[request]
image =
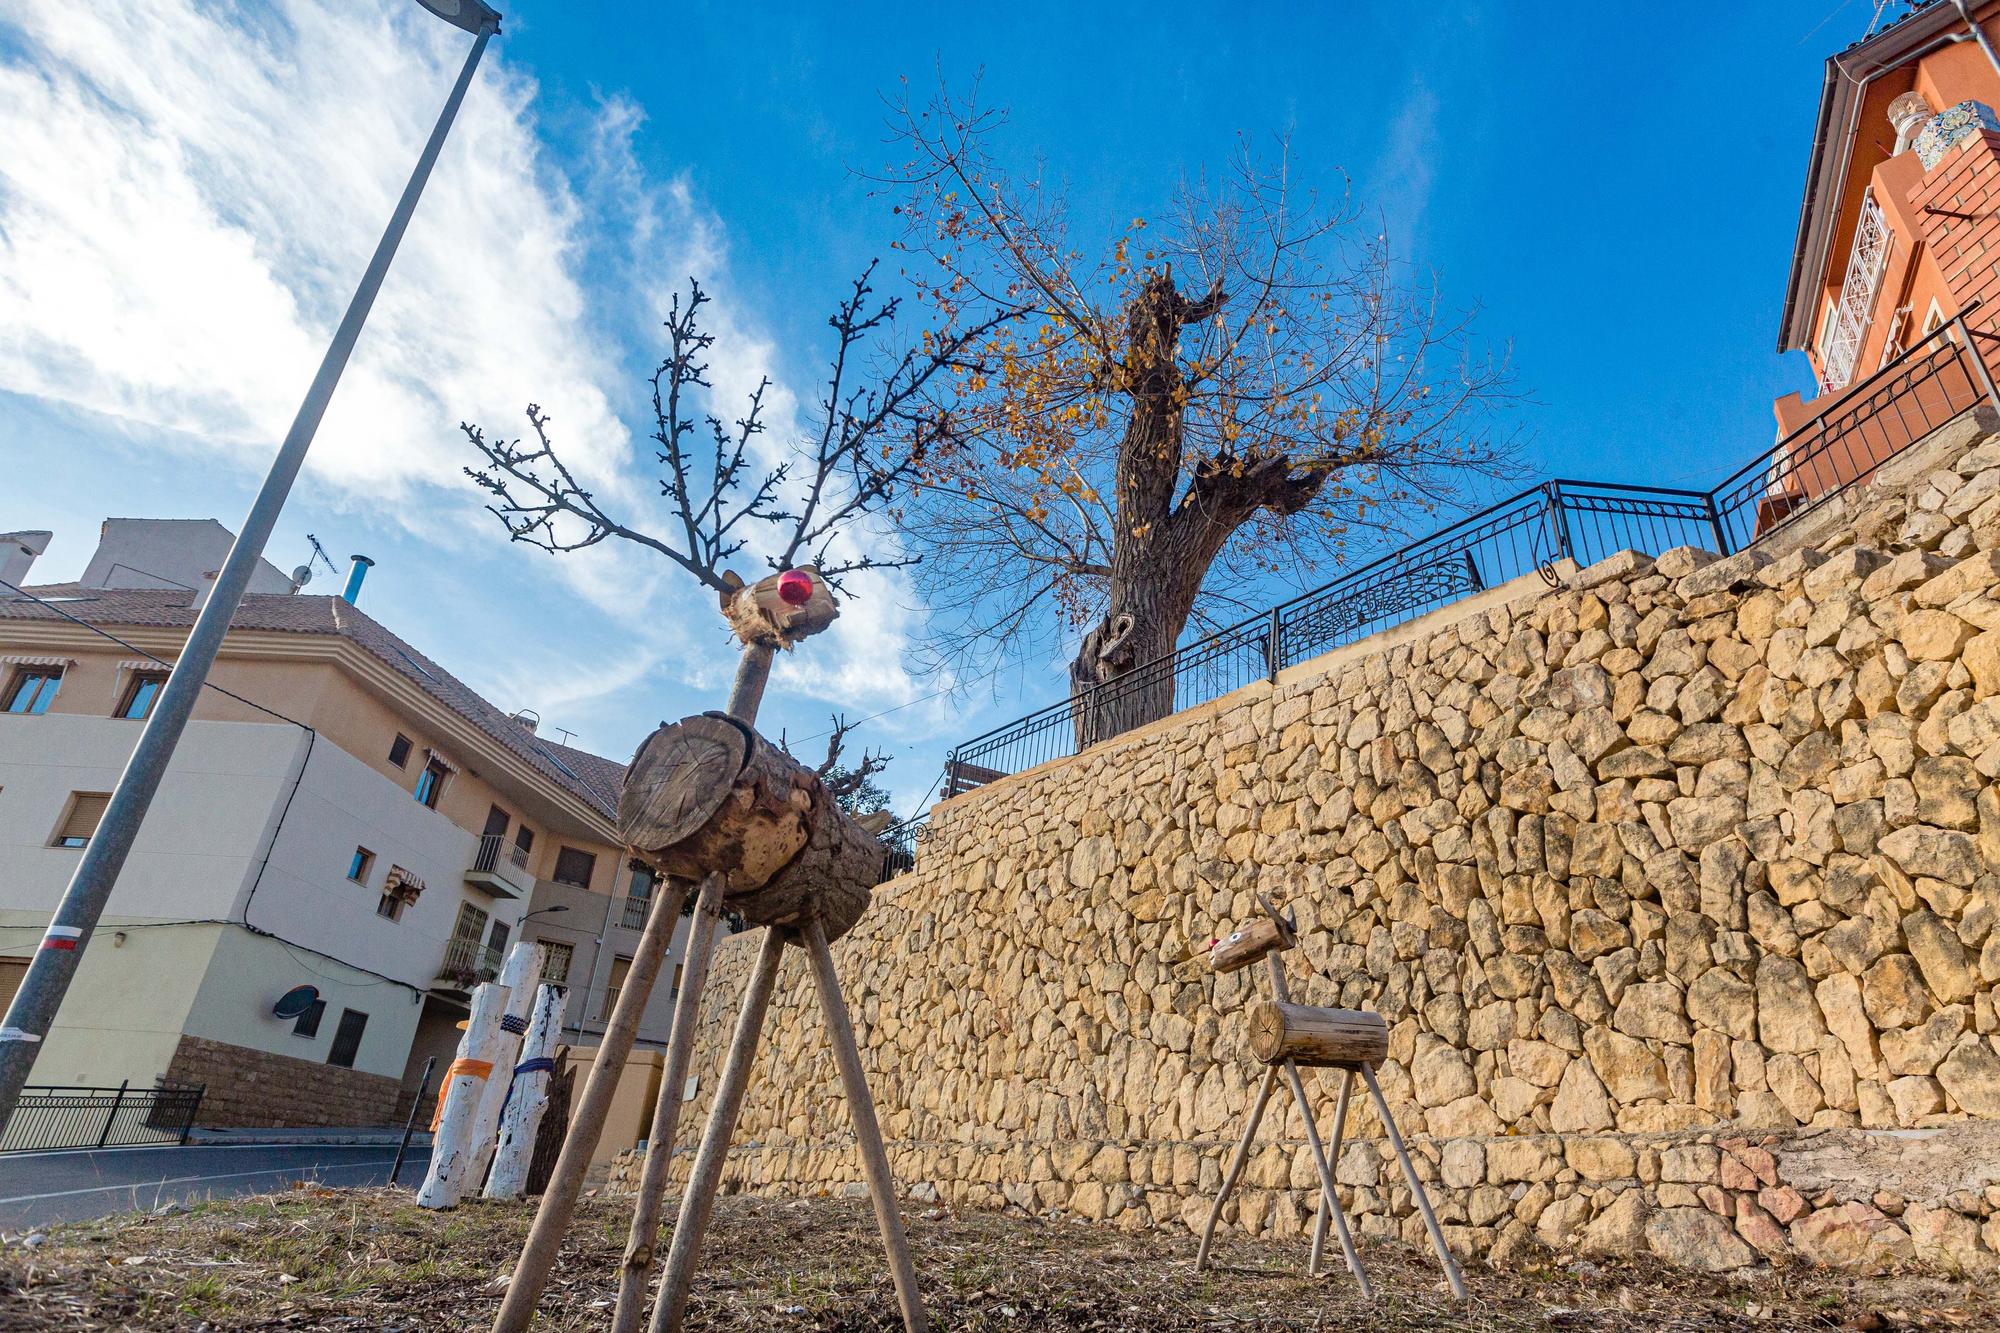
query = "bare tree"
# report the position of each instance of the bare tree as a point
(1246, 391)
(853, 785)
(872, 439)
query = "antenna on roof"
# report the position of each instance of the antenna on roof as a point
(319, 554)
(566, 734)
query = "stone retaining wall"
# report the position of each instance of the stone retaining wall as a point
(1649, 875)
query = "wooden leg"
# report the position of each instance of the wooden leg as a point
(1236, 1164)
(551, 1224)
(1329, 1208)
(1327, 1194)
(867, 1133)
(644, 1237)
(698, 1200)
(1416, 1186)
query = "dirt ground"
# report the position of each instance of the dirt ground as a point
(370, 1259)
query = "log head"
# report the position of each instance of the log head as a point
(781, 609)
(1251, 941)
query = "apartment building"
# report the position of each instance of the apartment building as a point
(343, 813)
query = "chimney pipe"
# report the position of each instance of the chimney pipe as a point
(356, 572)
(17, 556)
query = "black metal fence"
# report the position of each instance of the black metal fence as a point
(124, 1116)
(1938, 380)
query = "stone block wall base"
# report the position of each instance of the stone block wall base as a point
(1855, 1199)
(258, 1090)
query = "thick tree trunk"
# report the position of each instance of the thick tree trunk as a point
(1118, 680)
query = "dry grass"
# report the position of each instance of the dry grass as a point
(369, 1259)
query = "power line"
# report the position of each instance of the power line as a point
(150, 657)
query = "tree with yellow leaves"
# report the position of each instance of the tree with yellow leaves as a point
(1245, 390)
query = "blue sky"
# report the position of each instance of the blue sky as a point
(191, 189)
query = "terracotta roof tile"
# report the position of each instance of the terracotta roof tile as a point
(592, 777)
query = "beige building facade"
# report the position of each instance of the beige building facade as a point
(342, 814)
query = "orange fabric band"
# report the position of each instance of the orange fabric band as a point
(477, 1068)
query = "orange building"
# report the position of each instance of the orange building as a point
(1899, 235)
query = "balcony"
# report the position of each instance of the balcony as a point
(634, 917)
(500, 868)
(466, 963)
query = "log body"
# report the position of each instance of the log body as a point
(708, 793)
(1249, 943)
(1318, 1038)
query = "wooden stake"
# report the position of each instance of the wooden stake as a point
(646, 1209)
(545, 1237)
(867, 1133)
(1416, 1187)
(586, 1126)
(1326, 1176)
(1236, 1165)
(1327, 1207)
(698, 1199)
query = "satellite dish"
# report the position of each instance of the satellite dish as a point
(295, 1002)
(302, 576)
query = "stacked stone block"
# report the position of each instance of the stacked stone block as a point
(1662, 879)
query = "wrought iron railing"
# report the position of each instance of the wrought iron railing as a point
(494, 849)
(1941, 378)
(467, 961)
(120, 1117)
(633, 916)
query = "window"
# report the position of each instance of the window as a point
(362, 862)
(575, 867)
(347, 1038)
(33, 690)
(677, 979)
(399, 750)
(140, 694)
(497, 942)
(430, 783)
(308, 1024)
(556, 958)
(471, 922)
(85, 809)
(620, 965)
(524, 842)
(638, 898)
(391, 907)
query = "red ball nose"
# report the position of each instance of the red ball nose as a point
(795, 587)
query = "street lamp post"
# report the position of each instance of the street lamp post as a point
(34, 1008)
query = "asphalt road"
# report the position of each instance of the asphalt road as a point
(39, 1189)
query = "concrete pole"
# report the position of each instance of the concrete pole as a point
(519, 974)
(34, 1006)
(522, 1120)
(464, 1083)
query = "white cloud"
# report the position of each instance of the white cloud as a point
(186, 204)
(189, 193)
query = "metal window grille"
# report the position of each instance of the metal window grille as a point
(1840, 348)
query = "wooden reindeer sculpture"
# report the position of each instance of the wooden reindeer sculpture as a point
(1285, 1036)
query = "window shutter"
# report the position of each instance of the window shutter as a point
(84, 815)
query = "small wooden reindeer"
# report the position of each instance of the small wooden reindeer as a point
(1284, 1036)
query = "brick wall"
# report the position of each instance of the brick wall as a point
(250, 1088)
(1955, 208)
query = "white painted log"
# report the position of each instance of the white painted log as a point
(519, 974)
(522, 1120)
(451, 1143)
